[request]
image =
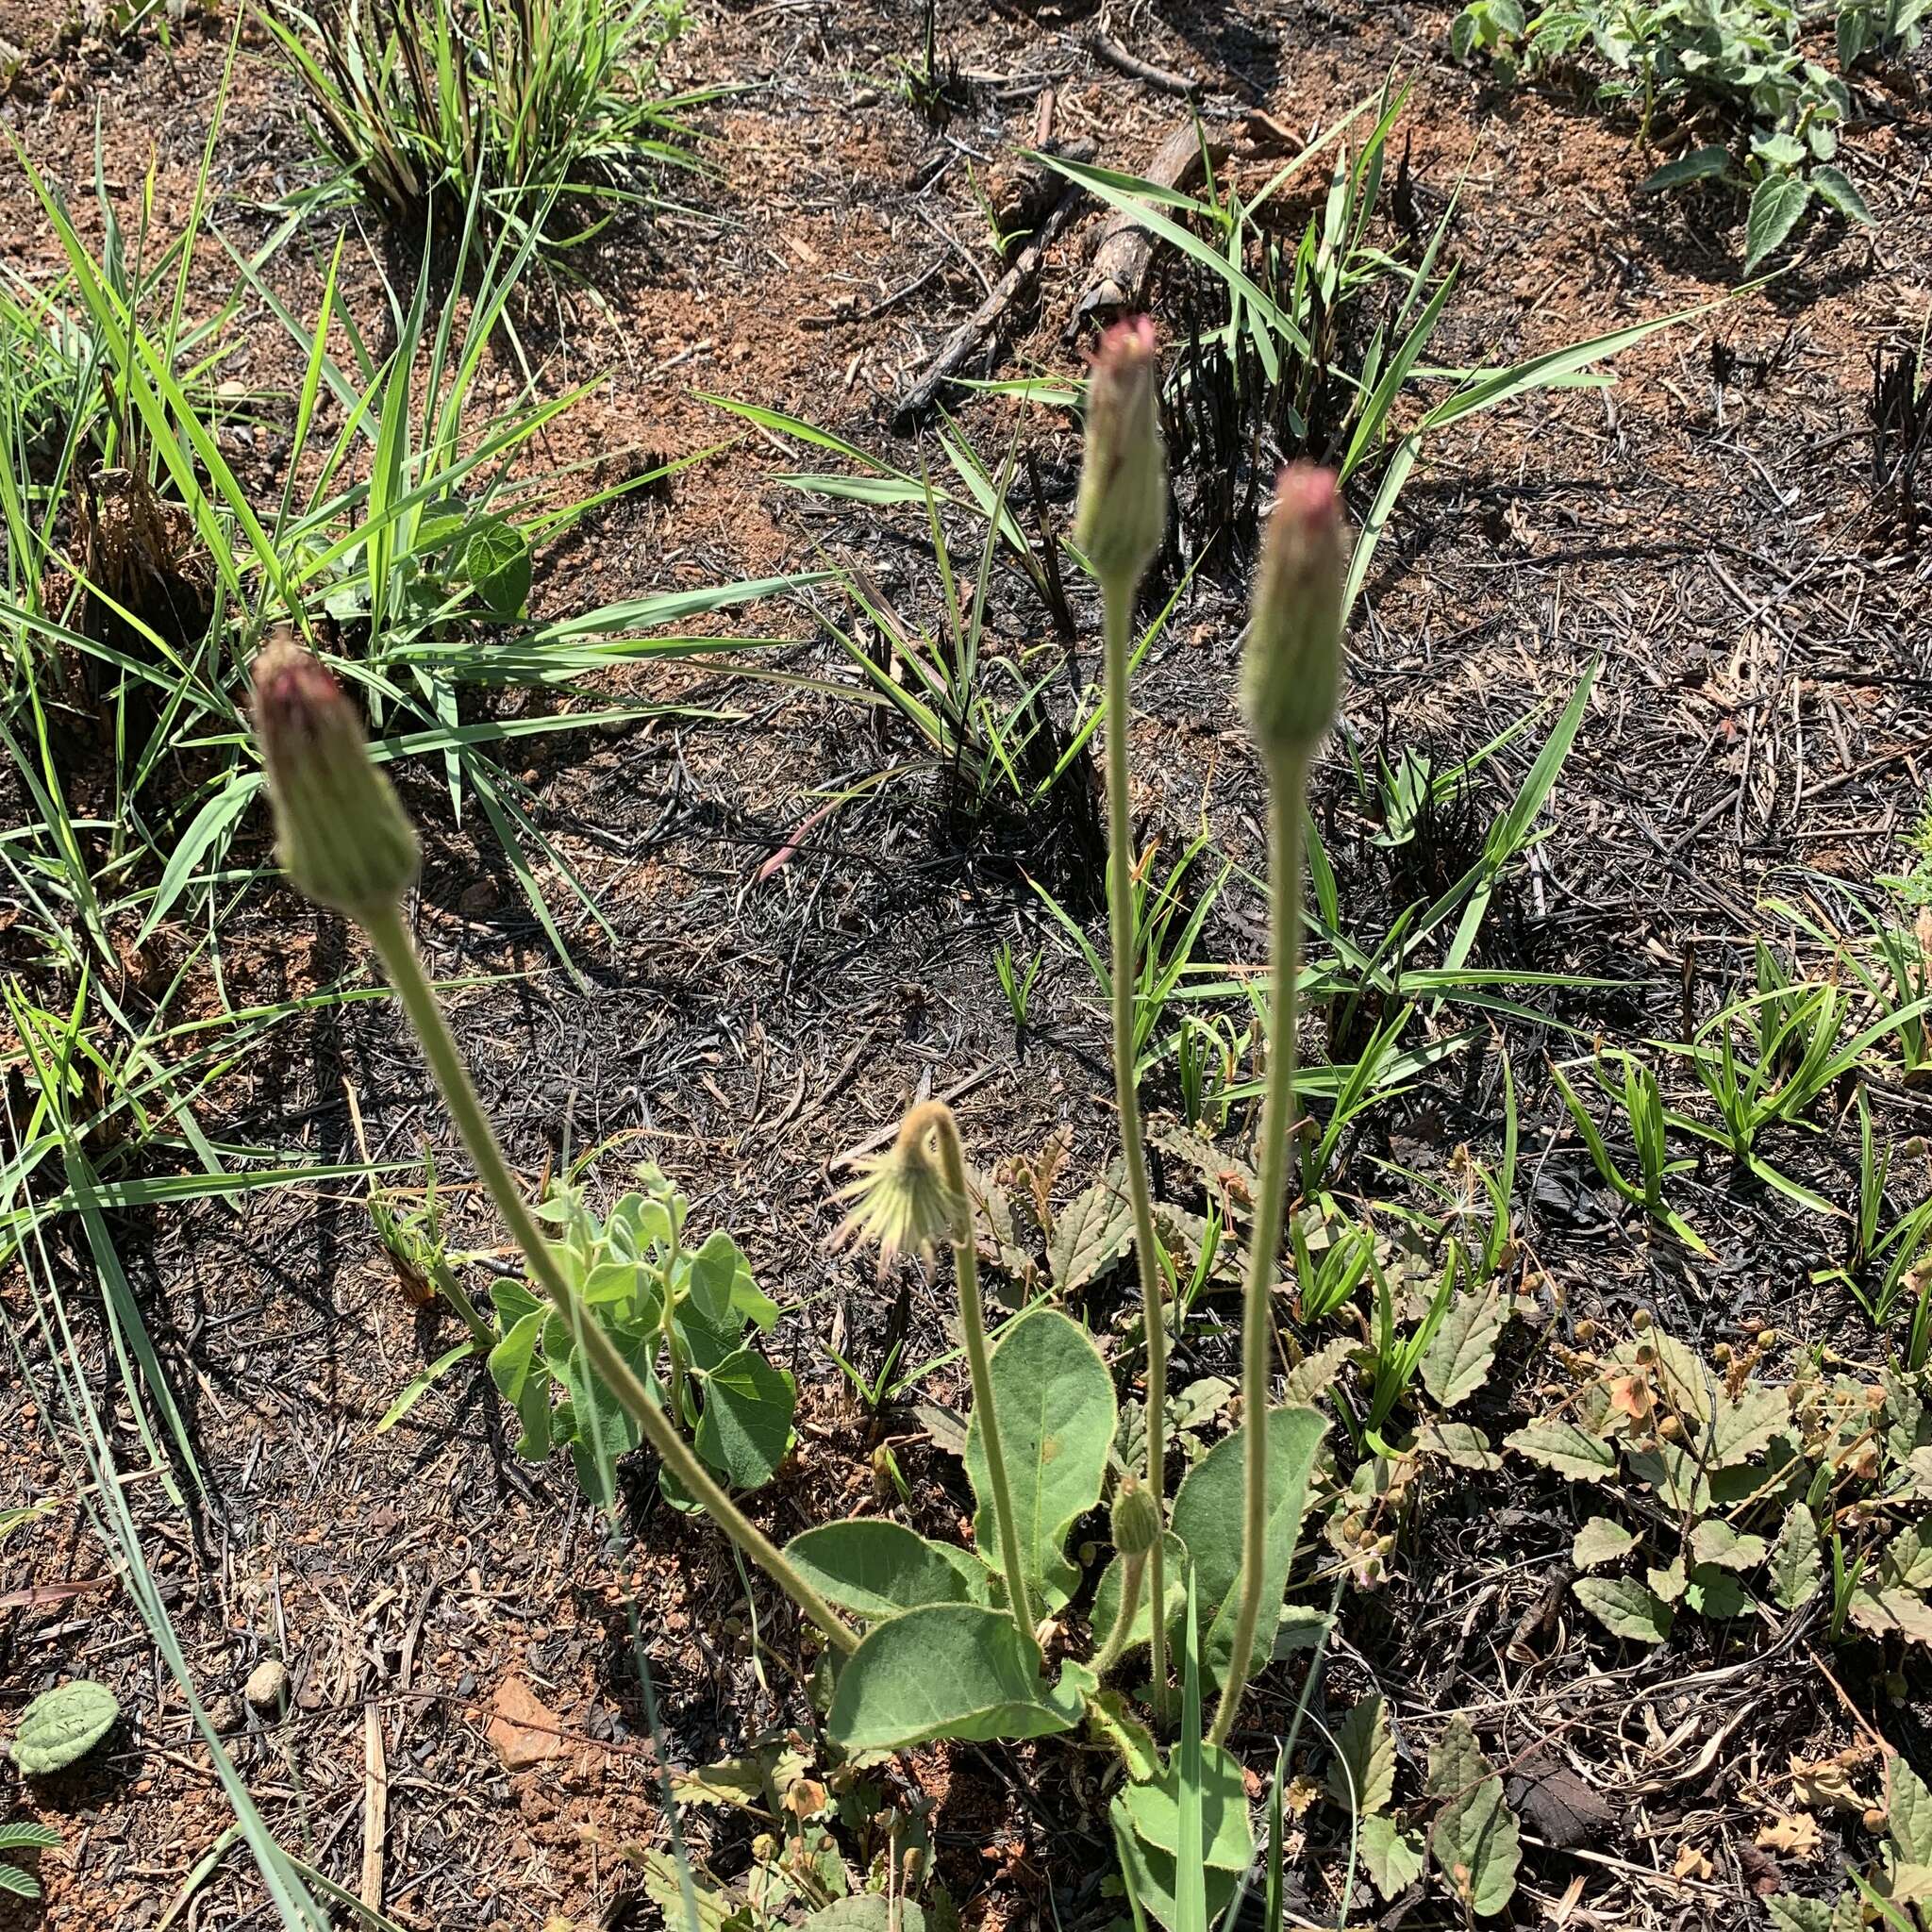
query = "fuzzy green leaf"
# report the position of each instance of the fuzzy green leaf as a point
(1796, 1571)
(1056, 1407)
(1719, 1544)
(1227, 1842)
(1207, 1518)
(866, 1912)
(1107, 1599)
(1777, 205)
(1362, 1778)
(1909, 1814)
(876, 1568)
(746, 1425)
(1835, 190)
(1625, 1608)
(1567, 1449)
(61, 1725)
(1600, 1541)
(1393, 1856)
(1473, 1838)
(1701, 164)
(1460, 1445)
(1090, 1233)
(944, 1671)
(1743, 1425)
(1464, 1347)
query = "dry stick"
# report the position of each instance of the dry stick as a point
(1117, 604)
(1287, 780)
(935, 1118)
(1165, 79)
(398, 952)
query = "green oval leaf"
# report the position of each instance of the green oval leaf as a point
(868, 1912)
(746, 1426)
(946, 1671)
(1777, 204)
(1207, 1518)
(876, 1568)
(1057, 1413)
(61, 1727)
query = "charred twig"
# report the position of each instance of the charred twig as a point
(1165, 78)
(986, 318)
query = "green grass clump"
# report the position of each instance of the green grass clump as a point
(520, 103)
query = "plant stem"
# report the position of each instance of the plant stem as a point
(398, 952)
(1109, 1653)
(1117, 602)
(458, 1296)
(935, 1118)
(1287, 781)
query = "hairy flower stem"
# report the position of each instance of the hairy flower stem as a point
(935, 1118)
(1109, 1653)
(1117, 602)
(398, 952)
(1288, 775)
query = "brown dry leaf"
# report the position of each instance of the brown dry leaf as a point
(1827, 1781)
(1691, 1863)
(522, 1729)
(1795, 1834)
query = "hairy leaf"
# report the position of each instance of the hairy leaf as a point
(1056, 1407)
(877, 1568)
(1473, 1838)
(1393, 1856)
(1362, 1778)
(1464, 1345)
(1796, 1571)
(1207, 1518)
(944, 1671)
(1565, 1448)
(1600, 1541)
(1625, 1608)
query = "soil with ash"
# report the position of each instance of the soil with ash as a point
(779, 981)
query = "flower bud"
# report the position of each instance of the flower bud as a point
(1292, 674)
(1123, 510)
(1136, 1518)
(340, 832)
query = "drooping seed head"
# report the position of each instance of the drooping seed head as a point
(1136, 1518)
(1292, 674)
(900, 1200)
(1122, 515)
(340, 832)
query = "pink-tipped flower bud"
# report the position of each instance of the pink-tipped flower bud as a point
(340, 831)
(1123, 510)
(1292, 675)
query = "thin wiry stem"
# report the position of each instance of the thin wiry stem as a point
(398, 952)
(1288, 780)
(935, 1118)
(1117, 602)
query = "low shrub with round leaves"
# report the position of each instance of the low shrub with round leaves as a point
(61, 1727)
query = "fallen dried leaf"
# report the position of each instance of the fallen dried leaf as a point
(1795, 1834)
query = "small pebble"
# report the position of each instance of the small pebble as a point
(267, 1688)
